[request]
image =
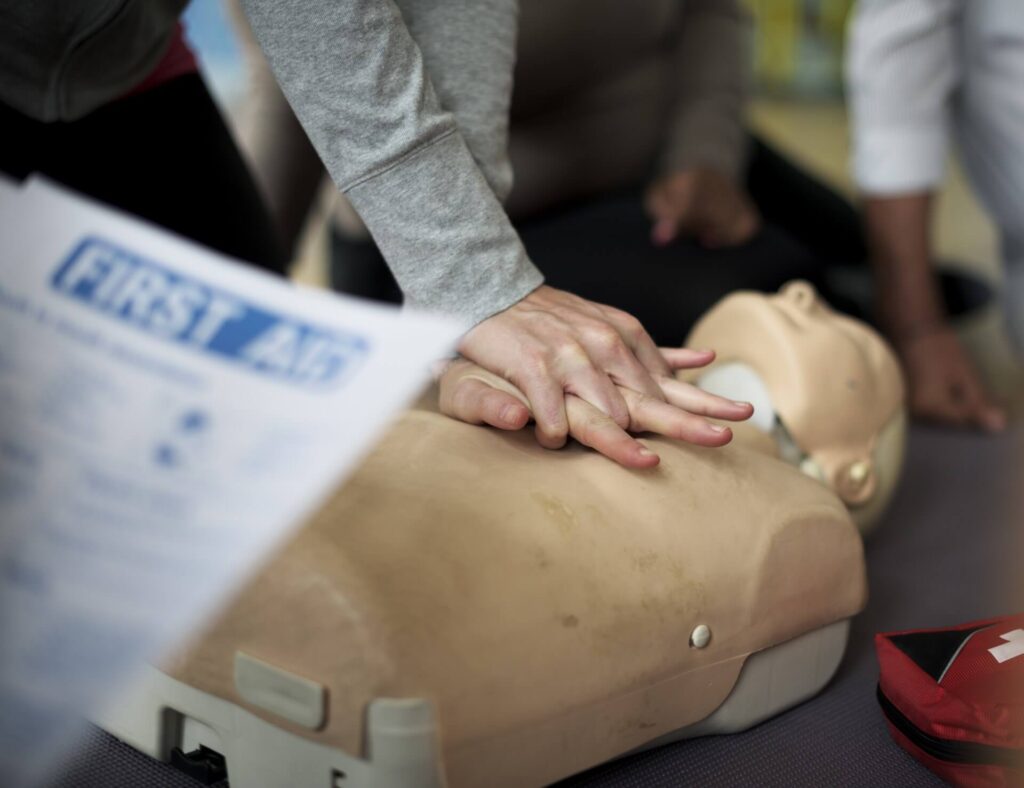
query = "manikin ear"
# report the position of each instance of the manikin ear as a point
(802, 295)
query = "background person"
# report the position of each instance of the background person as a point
(118, 111)
(920, 73)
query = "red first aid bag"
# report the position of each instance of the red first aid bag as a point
(954, 698)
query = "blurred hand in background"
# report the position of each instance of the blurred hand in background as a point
(703, 204)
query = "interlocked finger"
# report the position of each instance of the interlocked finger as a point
(594, 429)
(651, 415)
(695, 400)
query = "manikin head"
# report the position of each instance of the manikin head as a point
(826, 387)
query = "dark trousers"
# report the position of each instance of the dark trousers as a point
(164, 155)
(600, 249)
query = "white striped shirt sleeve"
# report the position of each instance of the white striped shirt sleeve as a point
(902, 67)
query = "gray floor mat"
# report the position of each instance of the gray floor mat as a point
(942, 557)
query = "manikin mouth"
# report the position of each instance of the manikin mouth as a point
(790, 452)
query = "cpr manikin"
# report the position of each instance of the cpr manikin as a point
(826, 389)
(472, 609)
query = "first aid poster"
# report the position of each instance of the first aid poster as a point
(167, 418)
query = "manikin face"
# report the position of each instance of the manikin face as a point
(827, 385)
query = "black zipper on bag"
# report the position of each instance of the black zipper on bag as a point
(950, 750)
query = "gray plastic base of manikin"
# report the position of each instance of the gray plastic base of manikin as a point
(159, 714)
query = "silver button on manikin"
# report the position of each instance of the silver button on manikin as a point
(700, 636)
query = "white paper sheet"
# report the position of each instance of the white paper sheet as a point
(166, 417)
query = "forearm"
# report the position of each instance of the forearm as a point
(711, 86)
(469, 50)
(898, 229)
(902, 67)
(944, 385)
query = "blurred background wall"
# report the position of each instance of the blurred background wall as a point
(799, 46)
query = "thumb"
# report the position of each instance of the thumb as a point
(472, 394)
(475, 402)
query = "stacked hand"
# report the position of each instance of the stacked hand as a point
(584, 370)
(590, 371)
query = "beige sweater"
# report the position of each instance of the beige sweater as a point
(608, 93)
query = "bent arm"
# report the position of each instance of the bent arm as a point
(357, 82)
(711, 82)
(902, 68)
(908, 298)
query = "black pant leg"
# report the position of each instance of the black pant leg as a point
(813, 214)
(164, 155)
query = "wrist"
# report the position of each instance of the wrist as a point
(909, 309)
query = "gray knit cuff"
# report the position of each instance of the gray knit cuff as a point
(445, 236)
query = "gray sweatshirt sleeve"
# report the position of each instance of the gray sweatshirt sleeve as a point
(712, 78)
(469, 51)
(358, 84)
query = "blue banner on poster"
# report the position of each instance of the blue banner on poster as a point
(181, 309)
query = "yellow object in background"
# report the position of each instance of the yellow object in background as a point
(799, 46)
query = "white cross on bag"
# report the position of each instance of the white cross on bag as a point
(1014, 647)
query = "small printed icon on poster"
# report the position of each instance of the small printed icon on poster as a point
(184, 441)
